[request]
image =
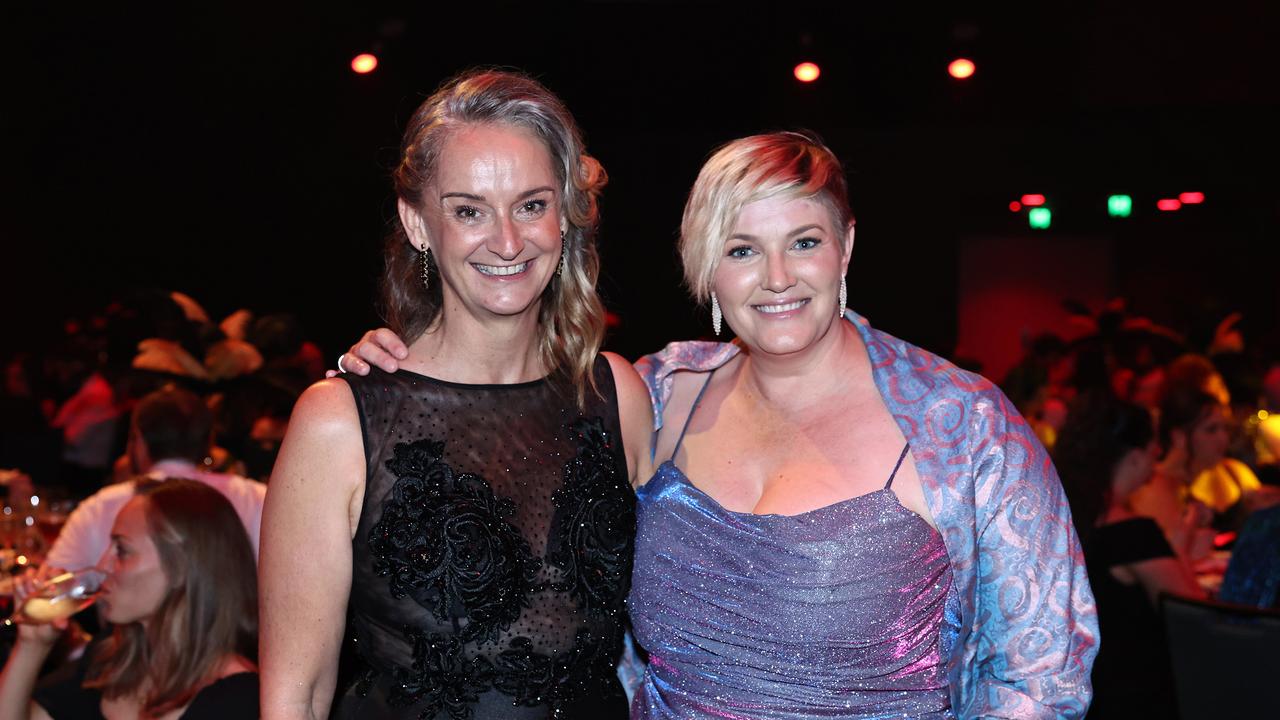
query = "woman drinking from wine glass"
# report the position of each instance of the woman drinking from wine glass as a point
(181, 593)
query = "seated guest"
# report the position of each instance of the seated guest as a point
(1196, 483)
(1107, 450)
(170, 437)
(1253, 577)
(181, 593)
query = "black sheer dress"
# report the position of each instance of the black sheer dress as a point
(493, 552)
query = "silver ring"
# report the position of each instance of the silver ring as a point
(340, 368)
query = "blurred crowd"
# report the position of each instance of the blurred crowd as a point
(1215, 409)
(1170, 458)
(65, 408)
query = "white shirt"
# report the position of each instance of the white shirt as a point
(87, 534)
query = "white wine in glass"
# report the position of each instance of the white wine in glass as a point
(60, 597)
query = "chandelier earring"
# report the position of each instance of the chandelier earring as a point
(564, 256)
(426, 267)
(716, 316)
(844, 298)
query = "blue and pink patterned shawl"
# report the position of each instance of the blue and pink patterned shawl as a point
(1021, 629)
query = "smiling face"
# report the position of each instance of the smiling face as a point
(491, 217)
(778, 277)
(136, 584)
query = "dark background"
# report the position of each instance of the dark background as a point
(227, 150)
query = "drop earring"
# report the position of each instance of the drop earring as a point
(716, 317)
(564, 256)
(844, 298)
(426, 267)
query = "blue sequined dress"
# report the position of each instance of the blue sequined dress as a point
(832, 613)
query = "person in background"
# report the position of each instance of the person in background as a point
(1197, 488)
(182, 598)
(1253, 574)
(169, 437)
(1106, 451)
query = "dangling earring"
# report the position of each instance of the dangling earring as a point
(844, 298)
(716, 317)
(426, 267)
(564, 256)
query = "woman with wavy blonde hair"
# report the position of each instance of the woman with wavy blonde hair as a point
(471, 514)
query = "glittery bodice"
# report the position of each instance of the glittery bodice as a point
(831, 613)
(493, 553)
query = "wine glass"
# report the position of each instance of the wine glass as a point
(59, 597)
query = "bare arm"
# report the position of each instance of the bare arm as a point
(635, 412)
(22, 669)
(312, 505)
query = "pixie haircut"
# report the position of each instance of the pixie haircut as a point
(790, 165)
(571, 322)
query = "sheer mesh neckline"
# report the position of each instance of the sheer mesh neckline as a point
(478, 386)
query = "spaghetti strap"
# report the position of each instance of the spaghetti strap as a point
(901, 457)
(692, 410)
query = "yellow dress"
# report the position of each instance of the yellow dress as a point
(1223, 485)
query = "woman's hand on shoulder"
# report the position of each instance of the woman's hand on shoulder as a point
(635, 412)
(380, 347)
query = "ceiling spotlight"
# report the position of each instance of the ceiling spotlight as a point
(807, 72)
(961, 68)
(364, 63)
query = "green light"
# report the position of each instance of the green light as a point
(1039, 218)
(1119, 205)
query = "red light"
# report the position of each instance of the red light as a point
(961, 68)
(1224, 539)
(1191, 198)
(1015, 206)
(364, 63)
(807, 72)
(1032, 200)
(1169, 204)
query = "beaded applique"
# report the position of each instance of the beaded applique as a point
(446, 541)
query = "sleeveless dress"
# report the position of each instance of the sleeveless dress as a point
(832, 613)
(493, 553)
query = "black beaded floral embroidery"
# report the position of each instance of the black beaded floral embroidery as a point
(445, 540)
(596, 518)
(441, 678)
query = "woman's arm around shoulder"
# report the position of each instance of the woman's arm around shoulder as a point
(304, 574)
(635, 412)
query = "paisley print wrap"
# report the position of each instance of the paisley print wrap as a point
(1021, 628)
